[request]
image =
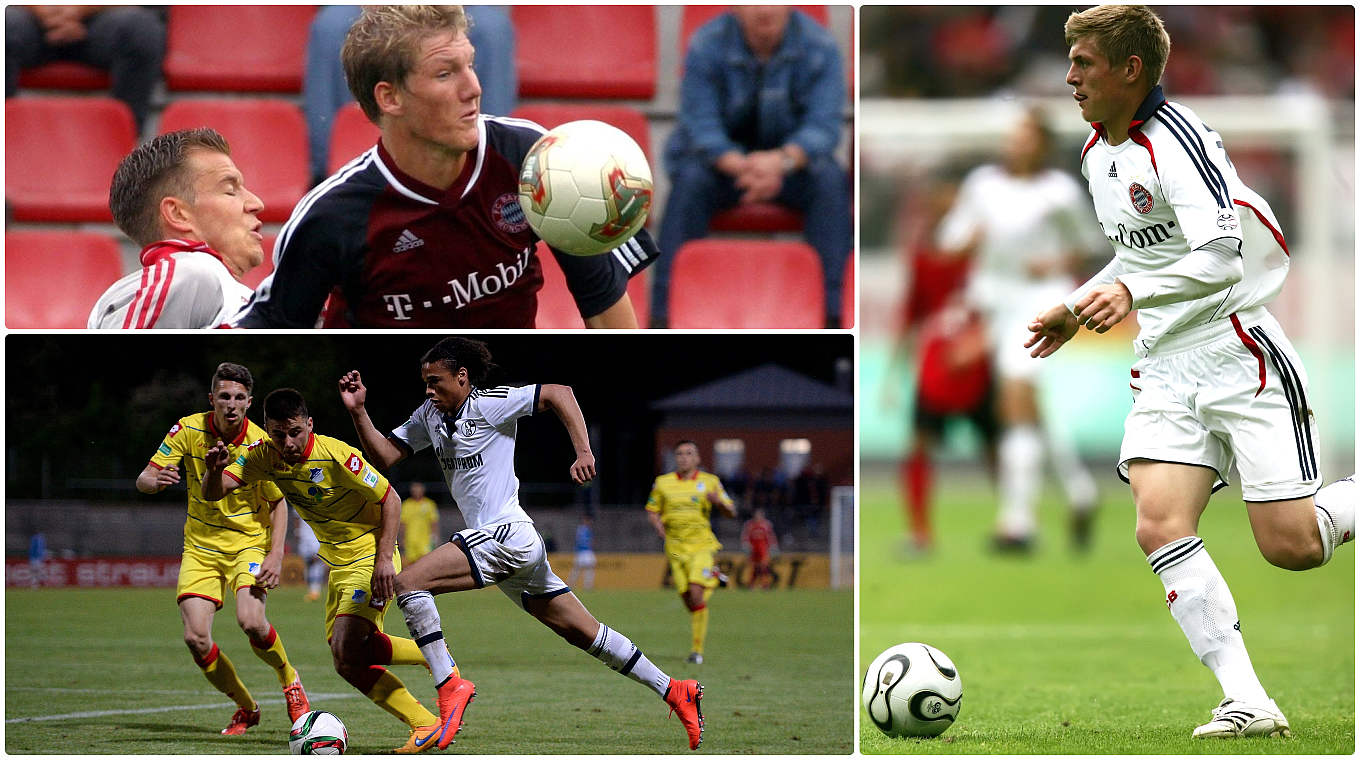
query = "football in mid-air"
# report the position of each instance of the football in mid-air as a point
(912, 690)
(585, 187)
(318, 733)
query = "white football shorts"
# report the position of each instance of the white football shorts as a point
(1230, 392)
(1008, 307)
(510, 556)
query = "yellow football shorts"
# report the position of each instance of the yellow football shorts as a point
(212, 575)
(689, 567)
(350, 592)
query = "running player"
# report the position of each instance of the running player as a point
(420, 521)
(583, 563)
(1216, 381)
(471, 427)
(232, 544)
(354, 513)
(678, 508)
(1025, 226)
(181, 198)
(425, 229)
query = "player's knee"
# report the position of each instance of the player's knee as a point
(1293, 553)
(200, 644)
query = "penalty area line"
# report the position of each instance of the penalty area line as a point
(163, 709)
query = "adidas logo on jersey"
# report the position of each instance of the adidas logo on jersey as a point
(1114, 172)
(406, 242)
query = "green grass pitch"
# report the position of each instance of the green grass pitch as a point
(1068, 654)
(110, 667)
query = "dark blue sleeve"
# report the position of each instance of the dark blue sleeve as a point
(598, 282)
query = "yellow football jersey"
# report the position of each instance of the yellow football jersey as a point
(239, 521)
(684, 507)
(338, 493)
(420, 518)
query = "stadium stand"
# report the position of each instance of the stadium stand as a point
(557, 309)
(65, 75)
(591, 51)
(88, 263)
(268, 143)
(351, 134)
(712, 285)
(236, 48)
(60, 153)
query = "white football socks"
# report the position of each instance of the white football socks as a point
(422, 619)
(1078, 485)
(615, 650)
(1334, 504)
(1201, 603)
(1021, 453)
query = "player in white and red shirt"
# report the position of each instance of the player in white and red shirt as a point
(1217, 382)
(472, 427)
(182, 198)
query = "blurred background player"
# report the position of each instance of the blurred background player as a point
(1217, 383)
(1027, 228)
(759, 119)
(314, 567)
(356, 515)
(943, 342)
(583, 563)
(473, 427)
(182, 199)
(443, 181)
(37, 557)
(128, 41)
(323, 82)
(758, 536)
(420, 522)
(679, 508)
(231, 544)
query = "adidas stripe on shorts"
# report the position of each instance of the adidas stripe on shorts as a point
(510, 556)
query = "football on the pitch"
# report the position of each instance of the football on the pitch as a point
(585, 187)
(912, 690)
(318, 733)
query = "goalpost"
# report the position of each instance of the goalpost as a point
(842, 537)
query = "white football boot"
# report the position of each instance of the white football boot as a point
(1233, 719)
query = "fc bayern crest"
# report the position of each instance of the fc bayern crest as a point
(1141, 198)
(507, 214)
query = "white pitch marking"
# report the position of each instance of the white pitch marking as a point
(174, 708)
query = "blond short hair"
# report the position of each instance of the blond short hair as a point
(382, 45)
(1119, 31)
(155, 170)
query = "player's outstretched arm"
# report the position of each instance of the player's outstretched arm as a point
(155, 479)
(384, 574)
(377, 447)
(620, 316)
(271, 569)
(1051, 329)
(216, 484)
(562, 401)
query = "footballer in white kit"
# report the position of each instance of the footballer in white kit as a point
(1216, 381)
(471, 426)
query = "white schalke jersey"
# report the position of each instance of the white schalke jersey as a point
(1022, 221)
(176, 288)
(476, 449)
(1170, 189)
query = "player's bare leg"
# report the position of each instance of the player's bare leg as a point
(567, 617)
(1299, 534)
(696, 601)
(197, 614)
(445, 569)
(265, 643)
(350, 653)
(1169, 499)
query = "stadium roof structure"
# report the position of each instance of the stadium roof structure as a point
(767, 388)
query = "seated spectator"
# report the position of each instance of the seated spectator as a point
(759, 118)
(127, 40)
(323, 83)
(182, 199)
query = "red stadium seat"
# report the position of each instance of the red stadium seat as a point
(351, 134)
(848, 293)
(695, 16)
(557, 309)
(236, 48)
(754, 284)
(256, 276)
(52, 279)
(64, 75)
(757, 217)
(585, 51)
(60, 154)
(629, 119)
(268, 143)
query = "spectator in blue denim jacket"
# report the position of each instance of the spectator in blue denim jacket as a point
(760, 115)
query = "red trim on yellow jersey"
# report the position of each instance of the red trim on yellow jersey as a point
(311, 441)
(240, 437)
